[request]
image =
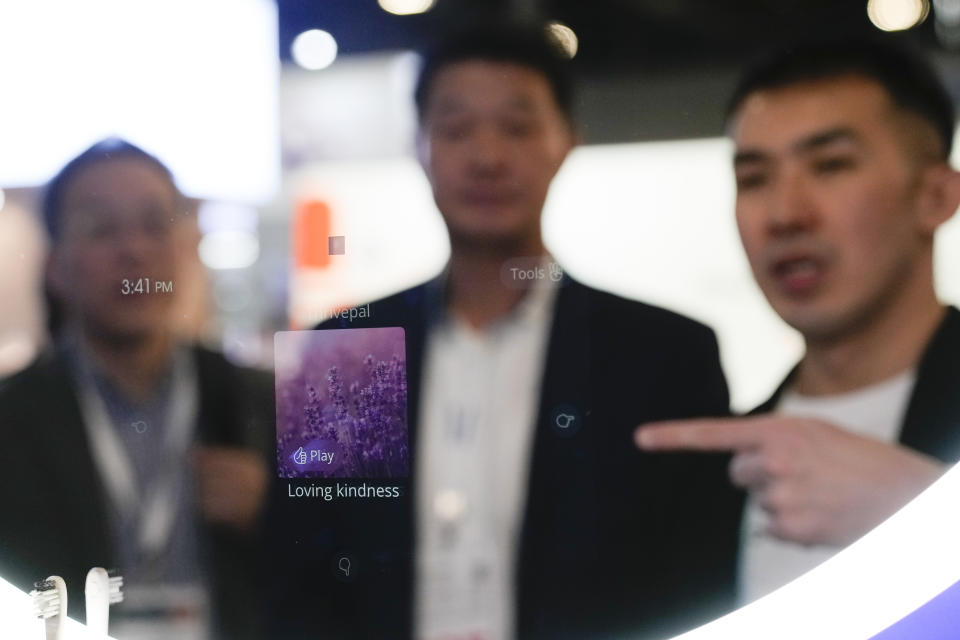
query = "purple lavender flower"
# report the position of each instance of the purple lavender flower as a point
(364, 410)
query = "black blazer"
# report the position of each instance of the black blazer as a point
(53, 509)
(931, 423)
(614, 541)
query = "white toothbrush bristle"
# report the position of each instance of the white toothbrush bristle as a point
(116, 589)
(46, 599)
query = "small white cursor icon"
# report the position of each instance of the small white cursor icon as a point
(300, 456)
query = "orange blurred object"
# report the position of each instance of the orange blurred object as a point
(311, 233)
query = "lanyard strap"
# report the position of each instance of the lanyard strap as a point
(153, 506)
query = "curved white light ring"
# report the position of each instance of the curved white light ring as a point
(895, 569)
(891, 572)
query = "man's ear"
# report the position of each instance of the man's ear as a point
(940, 196)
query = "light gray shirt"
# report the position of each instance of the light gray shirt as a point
(877, 411)
(479, 400)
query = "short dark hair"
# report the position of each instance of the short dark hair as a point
(526, 45)
(106, 149)
(908, 77)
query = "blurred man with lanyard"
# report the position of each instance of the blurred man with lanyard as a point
(124, 447)
(843, 177)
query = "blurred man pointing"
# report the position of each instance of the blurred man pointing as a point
(842, 178)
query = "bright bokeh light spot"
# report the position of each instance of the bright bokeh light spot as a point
(406, 7)
(449, 505)
(314, 49)
(229, 249)
(3, 198)
(897, 15)
(565, 37)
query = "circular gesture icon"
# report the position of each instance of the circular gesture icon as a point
(566, 420)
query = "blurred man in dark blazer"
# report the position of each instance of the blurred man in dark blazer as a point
(122, 446)
(531, 514)
(843, 178)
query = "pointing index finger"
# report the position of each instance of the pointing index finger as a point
(704, 434)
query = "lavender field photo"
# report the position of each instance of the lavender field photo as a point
(341, 403)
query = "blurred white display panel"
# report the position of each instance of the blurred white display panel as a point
(651, 221)
(22, 250)
(394, 237)
(195, 82)
(359, 107)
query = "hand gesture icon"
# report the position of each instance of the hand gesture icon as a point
(300, 456)
(556, 272)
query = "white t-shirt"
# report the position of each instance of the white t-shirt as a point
(877, 412)
(479, 405)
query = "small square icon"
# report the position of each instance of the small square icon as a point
(336, 245)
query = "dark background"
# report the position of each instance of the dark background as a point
(671, 60)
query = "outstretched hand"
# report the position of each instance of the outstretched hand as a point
(819, 484)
